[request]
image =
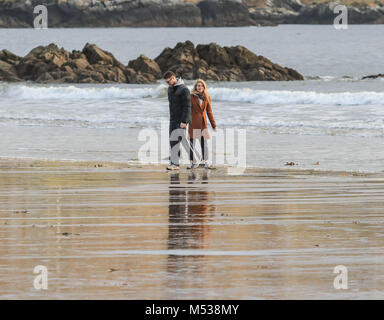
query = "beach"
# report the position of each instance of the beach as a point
(82, 198)
(109, 230)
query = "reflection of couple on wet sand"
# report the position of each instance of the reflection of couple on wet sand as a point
(189, 210)
(188, 109)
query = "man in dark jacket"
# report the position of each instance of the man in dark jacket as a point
(180, 115)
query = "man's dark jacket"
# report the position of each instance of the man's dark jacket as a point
(179, 103)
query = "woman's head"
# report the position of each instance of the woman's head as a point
(200, 88)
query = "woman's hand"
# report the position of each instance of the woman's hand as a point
(183, 125)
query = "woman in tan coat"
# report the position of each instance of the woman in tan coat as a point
(198, 129)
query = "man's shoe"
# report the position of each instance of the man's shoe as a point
(173, 167)
(192, 166)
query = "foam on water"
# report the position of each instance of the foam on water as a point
(314, 112)
(297, 97)
(242, 95)
(72, 92)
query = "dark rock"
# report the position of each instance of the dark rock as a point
(104, 63)
(40, 60)
(373, 76)
(218, 13)
(214, 54)
(90, 76)
(64, 76)
(130, 74)
(146, 68)
(8, 72)
(45, 78)
(144, 78)
(81, 63)
(213, 62)
(9, 57)
(296, 12)
(181, 59)
(323, 14)
(109, 73)
(96, 55)
(131, 13)
(294, 74)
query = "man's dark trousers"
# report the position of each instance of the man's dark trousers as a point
(177, 136)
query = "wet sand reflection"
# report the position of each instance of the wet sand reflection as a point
(142, 233)
(189, 209)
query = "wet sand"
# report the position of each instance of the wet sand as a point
(118, 231)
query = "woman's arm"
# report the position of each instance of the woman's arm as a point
(210, 114)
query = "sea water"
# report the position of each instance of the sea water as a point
(333, 120)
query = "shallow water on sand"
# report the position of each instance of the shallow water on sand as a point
(263, 150)
(127, 233)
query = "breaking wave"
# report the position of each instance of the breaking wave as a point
(242, 95)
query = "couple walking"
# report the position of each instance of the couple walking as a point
(188, 108)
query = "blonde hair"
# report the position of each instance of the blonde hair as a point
(205, 92)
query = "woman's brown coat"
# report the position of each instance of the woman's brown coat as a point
(199, 126)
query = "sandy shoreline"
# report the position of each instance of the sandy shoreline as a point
(49, 164)
(263, 150)
(125, 231)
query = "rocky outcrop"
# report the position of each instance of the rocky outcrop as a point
(323, 14)
(213, 62)
(51, 64)
(101, 13)
(184, 13)
(127, 13)
(310, 12)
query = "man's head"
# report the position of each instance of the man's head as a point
(170, 78)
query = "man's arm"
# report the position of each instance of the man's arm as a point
(186, 106)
